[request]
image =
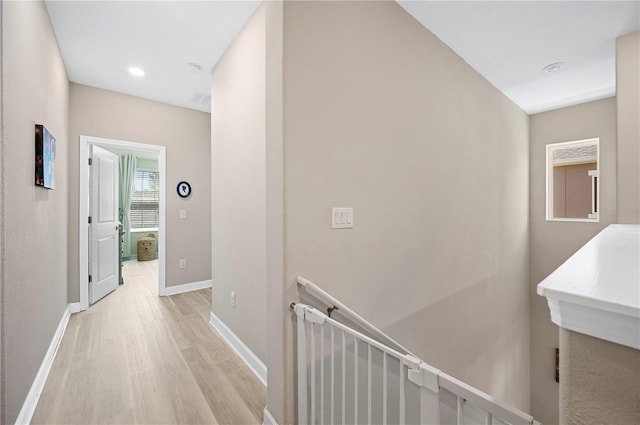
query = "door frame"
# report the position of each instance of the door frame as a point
(83, 209)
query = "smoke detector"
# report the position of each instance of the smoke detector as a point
(553, 67)
(194, 67)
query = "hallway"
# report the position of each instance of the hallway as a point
(136, 358)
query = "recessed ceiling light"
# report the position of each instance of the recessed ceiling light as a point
(134, 70)
(554, 67)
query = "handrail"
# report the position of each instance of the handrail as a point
(331, 301)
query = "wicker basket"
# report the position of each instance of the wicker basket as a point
(147, 247)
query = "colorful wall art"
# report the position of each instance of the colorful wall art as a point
(45, 157)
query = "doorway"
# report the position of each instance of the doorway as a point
(147, 150)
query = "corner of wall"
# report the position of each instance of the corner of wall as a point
(2, 157)
(628, 130)
(278, 394)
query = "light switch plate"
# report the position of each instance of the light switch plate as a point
(341, 218)
(183, 213)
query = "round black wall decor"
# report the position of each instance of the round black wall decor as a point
(183, 189)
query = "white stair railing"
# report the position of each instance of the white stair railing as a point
(346, 377)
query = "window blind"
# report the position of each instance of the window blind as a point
(145, 200)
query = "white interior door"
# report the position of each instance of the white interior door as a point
(103, 230)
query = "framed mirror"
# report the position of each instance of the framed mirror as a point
(573, 185)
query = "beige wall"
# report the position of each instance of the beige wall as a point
(34, 228)
(376, 111)
(276, 296)
(552, 242)
(599, 381)
(1, 220)
(628, 105)
(186, 134)
(238, 141)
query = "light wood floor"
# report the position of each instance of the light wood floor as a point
(136, 358)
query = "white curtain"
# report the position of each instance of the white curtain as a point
(127, 174)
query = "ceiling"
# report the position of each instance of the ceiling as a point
(507, 42)
(100, 40)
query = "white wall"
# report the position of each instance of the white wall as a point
(34, 222)
(238, 157)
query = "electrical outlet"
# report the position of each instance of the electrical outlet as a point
(183, 263)
(233, 299)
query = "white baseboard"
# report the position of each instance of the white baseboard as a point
(236, 344)
(187, 287)
(267, 417)
(74, 308)
(31, 402)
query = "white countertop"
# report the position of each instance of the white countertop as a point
(597, 290)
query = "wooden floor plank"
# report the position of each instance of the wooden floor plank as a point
(136, 358)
